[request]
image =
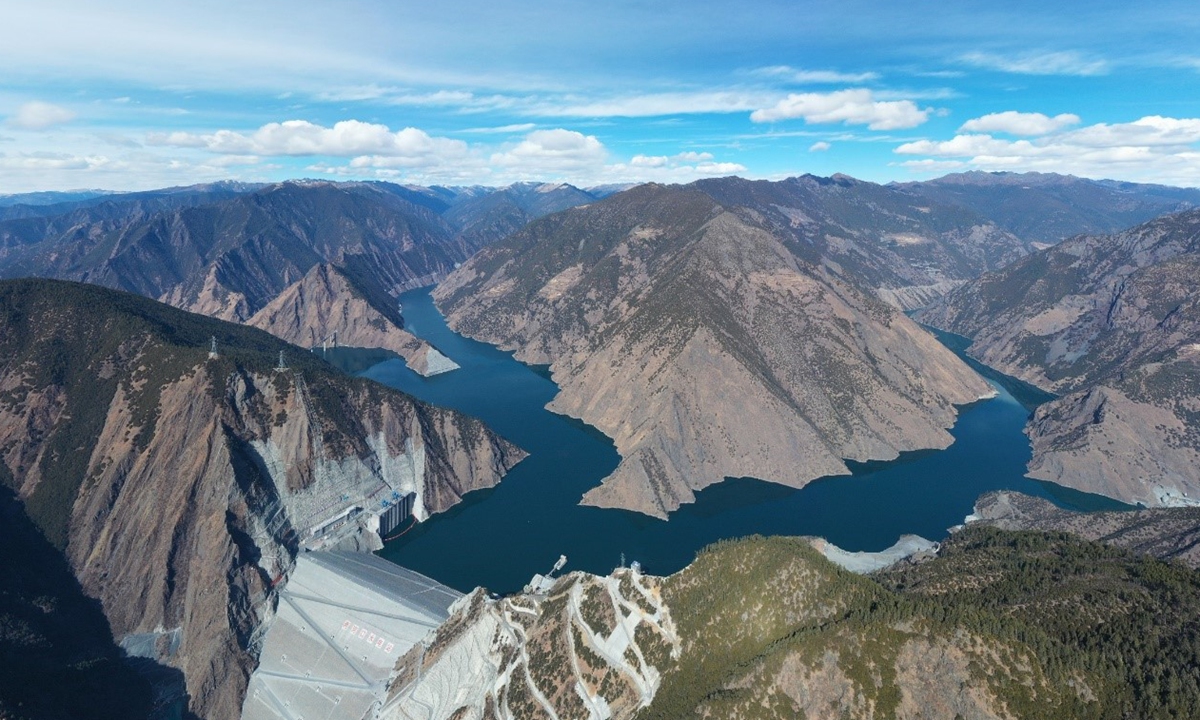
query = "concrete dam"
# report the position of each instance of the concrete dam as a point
(343, 621)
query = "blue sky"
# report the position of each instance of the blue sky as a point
(134, 95)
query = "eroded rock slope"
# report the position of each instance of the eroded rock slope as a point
(327, 307)
(1112, 323)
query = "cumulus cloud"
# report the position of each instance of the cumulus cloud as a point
(553, 152)
(1047, 63)
(1155, 148)
(820, 146)
(849, 107)
(1019, 123)
(684, 164)
(52, 161)
(302, 138)
(37, 115)
(797, 75)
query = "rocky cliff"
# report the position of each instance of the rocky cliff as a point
(998, 625)
(1111, 322)
(705, 347)
(179, 485)
(327, 307)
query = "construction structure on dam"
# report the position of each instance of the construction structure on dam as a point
(342, 622)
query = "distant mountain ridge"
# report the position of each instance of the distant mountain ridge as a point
(905, 248)
(229, 250)
(1047, 207)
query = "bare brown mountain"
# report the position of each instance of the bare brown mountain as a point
(179, 486)
(230, 257)
(327, 306)
(1046, 208)
(694, 337)
(1112, 322)
(906, 248)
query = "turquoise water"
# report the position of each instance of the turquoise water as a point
(500, 537)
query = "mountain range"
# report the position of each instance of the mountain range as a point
(706, 345)
(164, 467)
(1044, 208)
(231, 250)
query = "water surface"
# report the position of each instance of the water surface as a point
(500, 537)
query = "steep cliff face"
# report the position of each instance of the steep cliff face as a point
(328, 306)
(57, 655)
(180, 486)
(705, 347)
(1113, 323)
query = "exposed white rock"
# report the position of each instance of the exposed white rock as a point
(489, 657)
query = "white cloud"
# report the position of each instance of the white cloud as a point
(552, 152)
(850, 107)
(1019, 123)
(1048, 63)
(1153, 148)
(933, 166)
(672, 161)
(546, 155)
(52, 161)
(354, 93)
(302, 138)
(683, 167)
(816, 76)
(820, 146)
(37, 115)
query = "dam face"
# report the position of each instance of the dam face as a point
(343, 621)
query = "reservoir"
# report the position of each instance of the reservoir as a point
(499, 538)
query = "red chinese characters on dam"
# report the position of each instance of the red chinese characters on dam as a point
(369, 637)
